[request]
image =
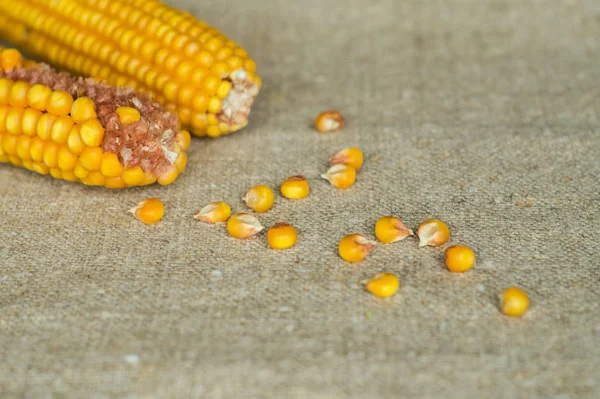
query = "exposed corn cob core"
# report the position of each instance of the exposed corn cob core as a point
(188, 66)
(80, 130)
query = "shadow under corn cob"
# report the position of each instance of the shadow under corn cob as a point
(189, 67)
(80, 130)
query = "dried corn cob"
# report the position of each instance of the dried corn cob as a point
(81, 130)
(188, 66)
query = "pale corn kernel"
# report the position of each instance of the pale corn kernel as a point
(340, 176)
(390, 229)
(432, 232)
(282, 236)
(459, 258)
(295, 187)
(352, 157)
(243, 225)
(149, 211)
(92, 133)
(383, 285)
(329, 121)
(128, 115)
(215, 212)
(83, 109)
(259, 198)
(514, 302)
(110, 166)
(355, 247)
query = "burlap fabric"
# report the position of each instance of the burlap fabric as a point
(481, 113)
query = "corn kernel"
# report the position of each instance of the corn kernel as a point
(243, 225)
(110, 166)
(390, 229)
(18, 94)
(38, 96)
(432, 232)
(352, 157)
(74, 141)
(83, 109)
(355, 247)
(514, 302)
(128, 115)
(9, 59)
(383, 285)
(92, 133)
(91, 158)
(459, 258)
(282, 236)
(149, 211)
(66, 159)
(329, 121)
(340, 176)
(183, 139)
(259, 198)
(134, 176)
(168, 176)
(51, 155)
(216, 212)
(30, 120)
(44, 126)
(61, 129)
(59, 103)
(295, 187)
(36, 149)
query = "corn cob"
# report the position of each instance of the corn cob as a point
(79, 130)
(188, 66)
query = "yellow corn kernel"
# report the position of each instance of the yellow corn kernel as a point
(23, 143)
(94, 179)
(215, 212)
(383, 285)
(282, 236)
(114, 182)
(69, 176)
(80, 171)
(51, 155)
(149, 211)
(329, 121)
(459, 258)
(134, 176)
(92, 133)
(259, 198)
(18, 94)
(30, 120)
(83, 109)
(44, 127)
(40, 168)
(295, 187)
(110, 166)
(38, 96)
(61, 129)
(59, 103)
(74, 141)
(5, 87)
(13, 120)
(183, 140)
(340, 176)
(91, 158)
(168, 177)
(352, 157)
(128, 115)
(514, 302)
(56, 173)
(390, 229)
(355, 247)
(433, 232)
(36, 149)
(243, 225)
(9, 59)
(66, 159)
(9, 144)
(3, 113)
(181, 161)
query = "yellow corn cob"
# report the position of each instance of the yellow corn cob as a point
(188, 66)
(100, 136)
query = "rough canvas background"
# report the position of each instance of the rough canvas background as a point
(463, 108)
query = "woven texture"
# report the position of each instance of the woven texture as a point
(482, 113)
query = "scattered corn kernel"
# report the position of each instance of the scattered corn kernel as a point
(383, 285)
(390, 229)
(282, 236)
(259, 198)
(329, 121)
(295, 187)
(433, 232)
(216, 212)
(352, 157)
(149, 211)
(243, 225)
(459, 258)
(514, 301)
(354, 247)
(340, 176)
